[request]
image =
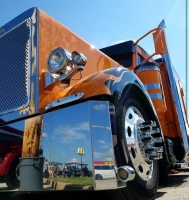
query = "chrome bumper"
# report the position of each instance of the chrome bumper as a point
(86, 126)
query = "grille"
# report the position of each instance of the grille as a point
(14, 68)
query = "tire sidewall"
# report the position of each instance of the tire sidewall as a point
(11, 179)
(146, 187)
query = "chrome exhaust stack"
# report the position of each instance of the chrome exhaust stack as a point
(125, 173)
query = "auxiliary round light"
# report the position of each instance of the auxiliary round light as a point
(123, 174)
(58, 60)
(78, 58)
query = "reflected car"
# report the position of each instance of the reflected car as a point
(10, 152)
(74, 169)
(71, 169)
(104, 171)
(85, 171)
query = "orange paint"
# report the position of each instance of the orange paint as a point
(52, 34)
(152, 77)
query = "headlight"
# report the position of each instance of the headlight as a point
(59, 61)
(78, 58)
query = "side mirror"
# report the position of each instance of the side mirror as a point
(159, 41)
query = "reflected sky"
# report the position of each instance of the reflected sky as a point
(65, 131)
(101, 132)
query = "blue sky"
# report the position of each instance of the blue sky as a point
(105, 22)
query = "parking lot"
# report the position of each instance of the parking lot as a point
(178, 188)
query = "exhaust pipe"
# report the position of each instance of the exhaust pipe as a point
(125, 173)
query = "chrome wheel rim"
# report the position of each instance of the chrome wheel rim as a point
(143, 167)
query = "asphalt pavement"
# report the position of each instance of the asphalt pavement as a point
(178, 188)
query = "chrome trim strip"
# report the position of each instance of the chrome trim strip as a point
(35, 54)
(102, 146)
(153, 86)
(63, 101)
(48, 79)
(17, 25)
(156, 96)
(181, 117)
(145, 68)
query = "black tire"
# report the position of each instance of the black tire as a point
(163, 173)
(98, 177)
(143, 187)
(12, 179)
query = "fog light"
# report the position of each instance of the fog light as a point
(122, 174)
(125, 173)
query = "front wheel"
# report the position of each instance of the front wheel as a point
(98, 177)
(133, 118)
(13, 176)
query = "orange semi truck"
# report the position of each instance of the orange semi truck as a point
(118, 103)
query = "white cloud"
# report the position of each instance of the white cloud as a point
(83, 126)
(101, 141)
(103, 144)
(69, 133)
(120, 41)
(73, 160)
(104, 155)
(44, 134)
(99, 107)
